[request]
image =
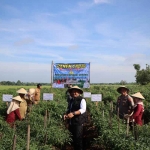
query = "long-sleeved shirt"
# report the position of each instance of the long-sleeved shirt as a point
(138, 113)
(13, 116)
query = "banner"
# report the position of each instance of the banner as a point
(65, 74)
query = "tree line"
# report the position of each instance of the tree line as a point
(21, 83)
(142, 77)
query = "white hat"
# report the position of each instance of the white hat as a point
(75, 87)
(119, 89)
(138, 95)
(22, 91)
(17, 98)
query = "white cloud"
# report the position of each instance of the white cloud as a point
(101, 1)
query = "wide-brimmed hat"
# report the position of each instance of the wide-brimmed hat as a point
(22, 91)
(119, 89)
(75, 87)
(32, 91)
(17, 98)
(138, 95)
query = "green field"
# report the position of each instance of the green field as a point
(51, 133)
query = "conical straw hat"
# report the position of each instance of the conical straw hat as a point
(17, 98)
(31, 91)
(138, 95)
(22, 91)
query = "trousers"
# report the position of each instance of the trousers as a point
(77, 136)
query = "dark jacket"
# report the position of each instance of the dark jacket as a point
(74, 105)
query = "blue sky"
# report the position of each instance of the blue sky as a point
(110, 34)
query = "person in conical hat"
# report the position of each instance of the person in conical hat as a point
(13, 112)
(138, 108)
(30, 96)
(75, 115)
(125, 102)
(23, 105)
(22, 91)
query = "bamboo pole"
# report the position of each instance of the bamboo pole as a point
(118, 120)
(110, 120)
(97, 103)
(135, 133)
(112, 107)
(14, 127)
(45, 119)
(28, 138)
(14, 142)
(51, 73)
(127, 132)
(103, 113)
(45, 125)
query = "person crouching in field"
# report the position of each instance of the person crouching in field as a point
(138, 108)
(75, 116)
(29, 97)
(124, 102)
(23, 104)
(13, 112)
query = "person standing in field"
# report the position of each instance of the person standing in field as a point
(124, 102)
(13, 112)
(68, 95)
(86, 84)
(37, 93)
(138, 108)
(23, 105)
(76, 116)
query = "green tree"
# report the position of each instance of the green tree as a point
(137, 67)
(123, 82)
(142, 76)
(18, 82)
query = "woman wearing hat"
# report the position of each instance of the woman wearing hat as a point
(76, 116)
(124, 102)
(138, 108)
(23, 105)
(13, 112)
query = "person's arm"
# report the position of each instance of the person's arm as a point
(131, 104)
(17, 112)
(35, 94)
(80, 111)
(138, 110)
